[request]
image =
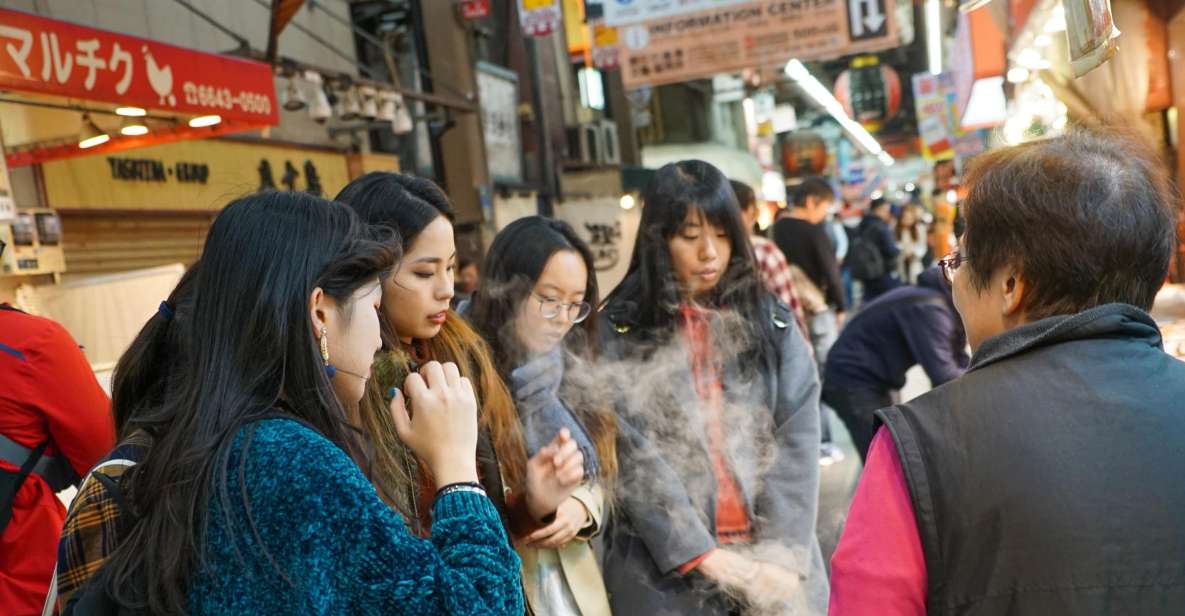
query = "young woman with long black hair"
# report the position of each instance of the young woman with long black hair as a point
(418, 326)
(251, 497)
(719, 418)
(533, 309)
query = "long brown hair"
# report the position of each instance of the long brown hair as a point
(408, 204)
(514, 263)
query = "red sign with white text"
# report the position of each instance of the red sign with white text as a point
(47, 56)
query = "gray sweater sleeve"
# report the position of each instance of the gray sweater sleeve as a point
(787, 507)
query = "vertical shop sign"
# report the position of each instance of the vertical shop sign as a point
(605, 50)
(475, 9)
(498, 95)
(932, 95)
(540, 17)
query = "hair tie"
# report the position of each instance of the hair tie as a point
(165, 310)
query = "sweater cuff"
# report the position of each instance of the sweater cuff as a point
(692, 564)
(463, 504)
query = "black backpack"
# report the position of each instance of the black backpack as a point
(864, 258)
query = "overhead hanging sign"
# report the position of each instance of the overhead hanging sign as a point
(540, 17)
(752, 35)
(47, 56)
(622, 12)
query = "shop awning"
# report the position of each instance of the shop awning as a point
(86, 68)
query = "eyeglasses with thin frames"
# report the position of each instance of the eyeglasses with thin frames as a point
(551, 308)
(950, 263)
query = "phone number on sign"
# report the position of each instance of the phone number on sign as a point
(210, 96)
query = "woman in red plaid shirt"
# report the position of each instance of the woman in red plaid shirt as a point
(775, 270)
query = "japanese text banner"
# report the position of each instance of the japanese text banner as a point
(752, 35)
(47, 56)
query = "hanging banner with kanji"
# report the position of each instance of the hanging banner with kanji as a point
(540, 17)
(47, 56)
(752, 35)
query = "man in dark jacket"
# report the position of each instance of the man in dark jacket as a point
(876, 230)
(905, 327)
(1048, 478)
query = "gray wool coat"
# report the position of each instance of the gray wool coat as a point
(665, 513)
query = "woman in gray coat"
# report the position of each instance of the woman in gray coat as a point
(718, 419)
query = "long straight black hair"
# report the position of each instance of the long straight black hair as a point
(648, 298)
(253, 353)
(144, 373)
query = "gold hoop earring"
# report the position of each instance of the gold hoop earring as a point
(324, 346)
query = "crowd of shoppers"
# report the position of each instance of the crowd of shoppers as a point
(307, 426)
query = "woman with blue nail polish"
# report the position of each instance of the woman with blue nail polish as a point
(252, 497)
(418, 327)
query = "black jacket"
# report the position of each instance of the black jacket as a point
(908, 326)
(807, 246)
(1050, 479)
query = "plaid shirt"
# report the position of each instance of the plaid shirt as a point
(92, 524)
(775, 272)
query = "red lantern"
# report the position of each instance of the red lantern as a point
(870, 92)
(803, 153)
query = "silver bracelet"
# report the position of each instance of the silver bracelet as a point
(460, 487)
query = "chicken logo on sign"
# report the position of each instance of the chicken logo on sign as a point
(160, 78)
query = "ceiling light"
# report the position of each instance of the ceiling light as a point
(90, 136)
(131, 127)
(293, 97)
(131, 112)
(369, 107)
(1057, 20)
(822, 96)
(1018, 74)
(934, 35)
(320, 109)
(206, 120)
(627, 202)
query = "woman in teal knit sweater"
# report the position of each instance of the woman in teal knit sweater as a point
(252, 498)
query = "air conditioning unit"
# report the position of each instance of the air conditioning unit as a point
(586, 143)
(611, 150)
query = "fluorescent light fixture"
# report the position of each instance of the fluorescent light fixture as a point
(1018, 74)
(934, 35)
(206, 120)
(822, 96)
(885, 159)
(131, 112)
(987, 105)
(1057, 20)
(91, 135)
(592, 88)
(133, 128)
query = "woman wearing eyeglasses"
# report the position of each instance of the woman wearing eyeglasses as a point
(533, 308)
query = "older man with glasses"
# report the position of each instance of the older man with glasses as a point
(1048, 479)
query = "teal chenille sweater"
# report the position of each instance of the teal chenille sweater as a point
(324, 543)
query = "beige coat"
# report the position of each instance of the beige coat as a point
(577, 560)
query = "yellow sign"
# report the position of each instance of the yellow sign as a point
(189, 175)
(532, 5)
